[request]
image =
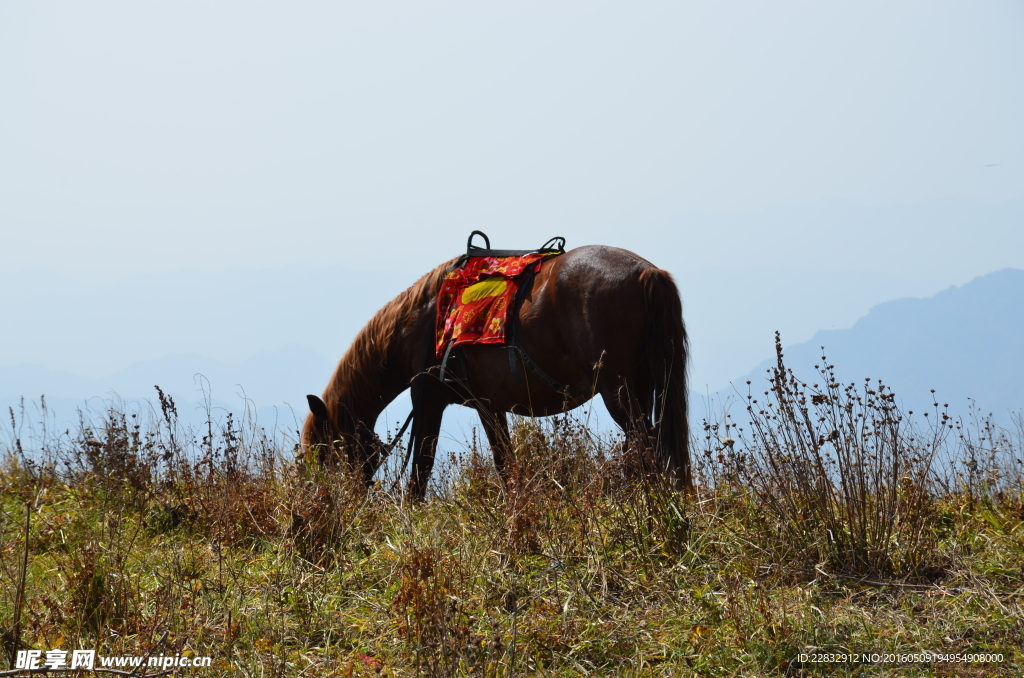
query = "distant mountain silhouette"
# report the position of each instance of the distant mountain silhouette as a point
(270, 379)
(95, 329)
(965, 342)
(271, 385)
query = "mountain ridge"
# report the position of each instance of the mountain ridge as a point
(966, 342)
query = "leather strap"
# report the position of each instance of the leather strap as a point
(564, 389)
(515, 347)
(553, 246)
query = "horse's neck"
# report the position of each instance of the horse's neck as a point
(387, 354)
(369, 388)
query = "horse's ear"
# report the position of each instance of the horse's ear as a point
(317, 407)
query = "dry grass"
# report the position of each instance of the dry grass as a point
(878, 538)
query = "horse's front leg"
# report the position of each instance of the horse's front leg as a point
(426, 428)
(496, 427)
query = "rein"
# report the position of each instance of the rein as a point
(388, 449)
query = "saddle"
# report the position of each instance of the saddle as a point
(553, 246)
(478, 301)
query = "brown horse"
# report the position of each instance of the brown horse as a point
(596, 319)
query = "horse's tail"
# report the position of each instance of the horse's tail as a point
(668, 350)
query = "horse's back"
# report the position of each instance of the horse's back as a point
(599, 263)
(600, 281)
(593, 298)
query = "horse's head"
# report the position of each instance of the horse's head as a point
(341, 438)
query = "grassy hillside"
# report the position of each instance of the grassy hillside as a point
(825, 521)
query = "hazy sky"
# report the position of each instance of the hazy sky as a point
(152, 137)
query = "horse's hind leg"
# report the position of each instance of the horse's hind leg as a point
(426, 429)
(632, 417)
(496, 427)
(627, 411)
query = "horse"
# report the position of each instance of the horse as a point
(594, 320)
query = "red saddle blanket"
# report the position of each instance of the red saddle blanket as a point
(472, 307)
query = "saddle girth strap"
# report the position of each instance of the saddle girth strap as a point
(564, 389)
(515, 348)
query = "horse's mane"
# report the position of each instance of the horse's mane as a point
(357, 376)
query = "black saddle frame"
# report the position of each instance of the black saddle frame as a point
(555, 245)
